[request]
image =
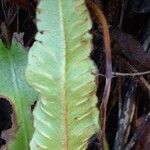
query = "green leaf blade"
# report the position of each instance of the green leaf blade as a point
(59, 68)
(14, 88)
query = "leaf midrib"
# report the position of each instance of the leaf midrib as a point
(19, 100)
(64, 93)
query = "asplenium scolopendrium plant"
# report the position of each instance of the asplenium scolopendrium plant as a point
(59, 68)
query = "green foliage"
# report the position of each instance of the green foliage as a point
(59, 68)
(14, 87)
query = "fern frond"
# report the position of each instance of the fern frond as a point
(59, 68)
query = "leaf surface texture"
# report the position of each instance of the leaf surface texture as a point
(20, 95)
(59, 68)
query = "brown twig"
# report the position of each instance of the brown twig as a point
(129, 67)
(107, 49)
(130, 74)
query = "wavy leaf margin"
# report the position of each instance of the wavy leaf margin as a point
(59, 68)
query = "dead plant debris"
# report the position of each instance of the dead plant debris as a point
(129, 100)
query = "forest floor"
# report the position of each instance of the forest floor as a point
(128, 110)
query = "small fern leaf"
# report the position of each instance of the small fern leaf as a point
(13, 87)
(59, 68)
